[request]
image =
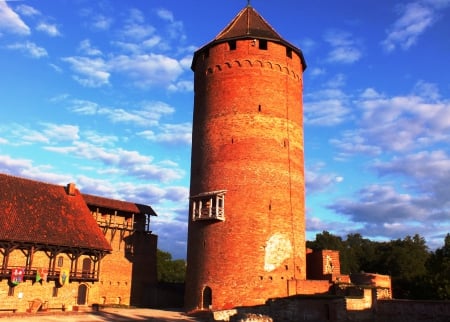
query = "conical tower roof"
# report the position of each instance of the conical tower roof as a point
(249, 24)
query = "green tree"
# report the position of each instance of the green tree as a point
(361, 253)
(168, 270)
(439, 271)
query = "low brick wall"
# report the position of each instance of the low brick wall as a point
(339, 309)
(412, 311)
(289, 309)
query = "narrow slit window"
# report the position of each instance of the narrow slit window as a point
(263, 44)
(232, 44)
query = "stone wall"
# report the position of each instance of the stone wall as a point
(412, 311)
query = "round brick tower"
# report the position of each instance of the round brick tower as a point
(246, 236)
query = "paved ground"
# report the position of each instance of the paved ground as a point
(110, 314)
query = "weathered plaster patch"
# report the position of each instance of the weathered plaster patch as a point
(278, 249)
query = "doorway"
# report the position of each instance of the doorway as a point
(82, 294)
(207, 297)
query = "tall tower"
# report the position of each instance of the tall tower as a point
(246, 236)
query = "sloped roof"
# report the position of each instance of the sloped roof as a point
(249, 24)
(42, 213)
(119, 205)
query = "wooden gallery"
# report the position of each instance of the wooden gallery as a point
(63, 250)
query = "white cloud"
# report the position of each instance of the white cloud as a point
(11, 22)
(170, 133)
(29, 48)
(49, 29)
(90, 72)
(26, 10)
(86, 48)
(326, 107)
(317, 181)
(149, 69)
(61, 132)
(344, 48)
(147, 114)
(101, 22)
(415, 18)
(406, 122)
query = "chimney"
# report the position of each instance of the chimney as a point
(71, 189)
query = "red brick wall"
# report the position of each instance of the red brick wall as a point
(248, 140)
(323, 264)
(130, 269)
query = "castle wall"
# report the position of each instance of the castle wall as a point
(51, 293)
(323, 264)
(130, 270)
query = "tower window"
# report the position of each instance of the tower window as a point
(208, 206)
(289, 52)
(232, 44)
(263, 44)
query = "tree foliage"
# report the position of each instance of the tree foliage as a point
(416, 272)
(169, 270)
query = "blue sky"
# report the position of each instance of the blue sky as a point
(100, 93)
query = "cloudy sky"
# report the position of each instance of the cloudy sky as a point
(100, 93)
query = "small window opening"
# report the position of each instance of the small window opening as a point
(259, 108)
(263, 44)
(232, 44)
(11, 291)
(55, 292)
(60, 261)
(289, 52)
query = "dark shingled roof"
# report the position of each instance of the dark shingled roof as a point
(122, 206)
(248, 24)
(42, 213)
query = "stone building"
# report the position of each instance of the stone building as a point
(61, 250)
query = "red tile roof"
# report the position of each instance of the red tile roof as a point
(42, 213)
(119, 205)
